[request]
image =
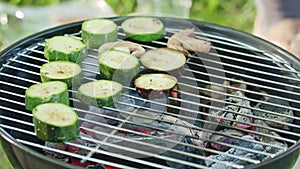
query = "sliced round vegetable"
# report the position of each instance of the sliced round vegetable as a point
(64, 71)
(99, 93)
(95, 32)
(55, 122)
(154, 85)
(64, 48)
(48, 92)
(118, 66)
(163, 59)
(144, 29)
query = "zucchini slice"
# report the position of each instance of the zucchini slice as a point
(95, 32)
(64, 48)
(118, 65)
(64, 71)
(143, 29)
(154, 85)
(55, 122)
(99, 93)
(48, 92)
(163, 59)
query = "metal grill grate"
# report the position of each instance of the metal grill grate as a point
(229, 60)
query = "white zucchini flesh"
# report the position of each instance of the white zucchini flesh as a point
(142, 25)
(47, 92)
(57, 115)
(100, 89)
(95, 32)
(155, 82)
(143, 29)
(118, 59)
(47, 89)
(61, 69)
(99, 26)
(163, 59)
(99, 93)
(55, 122)
(64, 44)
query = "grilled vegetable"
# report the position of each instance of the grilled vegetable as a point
(64, 48)
(118, 66)
(185, 41)
(100, 92)
(126, 46)
(95, 32)
(143, 29)
(55, 122)
(154, 85)
(163, 59)
(40, 93)
(64, 71)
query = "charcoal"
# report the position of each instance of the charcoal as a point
(187, 149)
(123, 103)
(276, 109)
(238, 101)
(241, 153)
(225, 139)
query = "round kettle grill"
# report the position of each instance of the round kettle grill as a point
(267, 71)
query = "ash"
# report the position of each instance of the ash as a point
(187, 149)
(242, 153)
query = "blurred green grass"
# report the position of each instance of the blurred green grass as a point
(238, 14)
(4, 163)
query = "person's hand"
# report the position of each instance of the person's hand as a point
(284, 33)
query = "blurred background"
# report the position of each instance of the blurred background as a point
(20, 18)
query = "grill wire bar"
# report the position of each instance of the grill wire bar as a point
(31, 53)
(203, 113)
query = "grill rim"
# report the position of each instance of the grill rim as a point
(30, 40)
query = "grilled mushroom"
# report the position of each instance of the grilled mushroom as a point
(126, 46)
(185, 41)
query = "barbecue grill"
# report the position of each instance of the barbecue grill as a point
(240, 58)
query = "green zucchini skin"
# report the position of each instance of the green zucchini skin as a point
(53, 54)
(95, 40)
(122, 75)
(70, 81)
(99, 100)
(147, 36)
(31, 101)
(53, 133)
(56, 134)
